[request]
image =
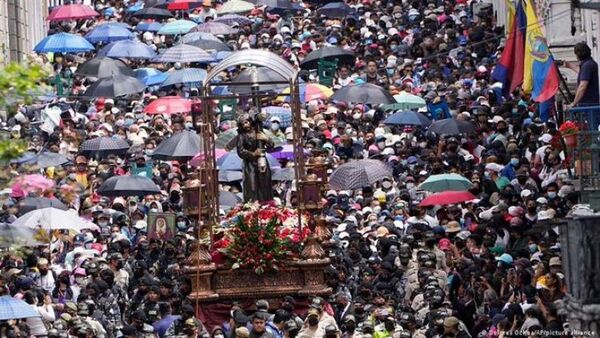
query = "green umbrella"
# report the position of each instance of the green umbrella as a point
(446, 182)
(406, 101)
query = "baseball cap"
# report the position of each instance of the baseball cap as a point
(505, 258)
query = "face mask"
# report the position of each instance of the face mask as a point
(381, 145)
(132, 208)
(181, 225)
(219, 336)
(389, 71)
(357, 116)
(487, 174)
(532, 248)
(514, 161)
(149, 151)
(532, 210)
(120, 123)
(410, 185)
(551, 194)
(102, 223)
(128, 122)
(154, 210)
(386, 185)
(274, 126)
(423, 145)
(377, 209)
(188, 125)
(313, 321)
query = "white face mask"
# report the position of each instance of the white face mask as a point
(132, 208)
(274, 126)
(154, 210)
(410, 185)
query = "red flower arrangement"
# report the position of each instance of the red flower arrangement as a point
(262, 236)
(568, 128)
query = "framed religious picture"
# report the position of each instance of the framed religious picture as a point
(161, 225)
(311, 195)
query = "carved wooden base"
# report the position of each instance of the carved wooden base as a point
(301, 278)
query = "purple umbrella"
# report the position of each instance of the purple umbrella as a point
(286, 153)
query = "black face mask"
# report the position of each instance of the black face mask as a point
(522, 180)
(313, 321)
(350, 328)
(532, 210)
(389, 327)
(502, 130)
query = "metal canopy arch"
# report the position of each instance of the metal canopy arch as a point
(207, 123)
(255, 57)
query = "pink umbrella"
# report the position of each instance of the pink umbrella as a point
(31, 183)
(71, 12)
(197, 160)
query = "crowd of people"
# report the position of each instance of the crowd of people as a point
(488, 267)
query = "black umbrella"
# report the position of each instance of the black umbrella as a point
(329, 53)
(153, 13)
(366, 93)
(263, 74)
(104, 146)
(357, 174)
(115, 86)
(32, 203)
(104, 67)
(131, 185)
(452, 127)
(180, 147)
(335, 10)
(210, 45)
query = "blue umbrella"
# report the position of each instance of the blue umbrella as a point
(132, 49)
(335, 10)
(232, 161)
(187, 76)
(13, 308)
(408, 118)
(63, 43)
(284, 115)
(108, 33)
(148, 26)
(195, 36)
(150, 76)
(27, 158)
(177, 27)
(220, 56)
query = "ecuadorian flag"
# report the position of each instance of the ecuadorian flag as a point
(540, 76)
(509, 69)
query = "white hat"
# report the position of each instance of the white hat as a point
(525, 193)
(494, 167)
(542, 200)
(140, 225)
(496, 119)
(107, 101)
(544, 215)
(546, 138)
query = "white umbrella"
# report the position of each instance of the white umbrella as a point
(52, 219)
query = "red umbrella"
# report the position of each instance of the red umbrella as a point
(70, 12)
(447, 197)
(174, 5)
(168, 105)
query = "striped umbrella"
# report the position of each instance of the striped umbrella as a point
(357, 174)
(194, 36)
(148, 26)
(308, 92)
(283, 114)
(445, 182)
(211, 46)
(177, 27)
(230, 19)
(63, 43)
(216, 28)
(72, 12)
(186, 76)
(104, 146)
(235, 6)
(127, 49)
(183, 53)
(130, 185)
(13, 308)
(108, 33)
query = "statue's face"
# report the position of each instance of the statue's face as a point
(246, 125)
